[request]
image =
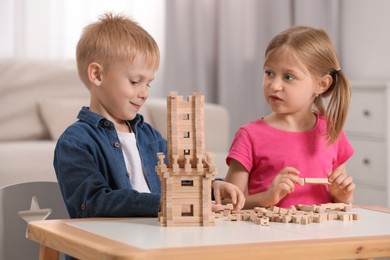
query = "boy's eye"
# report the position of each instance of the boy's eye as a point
(268, 73)
(133, 82)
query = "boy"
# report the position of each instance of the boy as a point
(105, 162)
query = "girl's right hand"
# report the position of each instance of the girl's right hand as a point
(283, 184)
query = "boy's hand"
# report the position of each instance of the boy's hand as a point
(230, 191)
(283, 184)
(342, 186)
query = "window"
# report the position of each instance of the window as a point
(187, 210)
(186, 116)
(187, 183)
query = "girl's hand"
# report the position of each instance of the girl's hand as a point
(226, 190)
(342, 186)
(283, 184)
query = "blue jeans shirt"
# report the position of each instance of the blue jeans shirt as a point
(92, 174)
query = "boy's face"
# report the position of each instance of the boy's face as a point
(122, 91)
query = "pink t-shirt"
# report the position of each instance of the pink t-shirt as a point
(264, 151)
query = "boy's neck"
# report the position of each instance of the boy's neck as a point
(124, 127)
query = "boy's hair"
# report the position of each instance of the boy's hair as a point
(315, 49)
(114, 39)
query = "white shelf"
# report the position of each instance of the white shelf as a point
(368, 130)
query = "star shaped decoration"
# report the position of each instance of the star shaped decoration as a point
(35, 212)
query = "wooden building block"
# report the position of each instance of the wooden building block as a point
(235, 217)
(286, 219)
(316, 181)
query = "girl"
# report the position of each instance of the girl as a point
(300, 138)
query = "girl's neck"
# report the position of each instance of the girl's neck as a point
(291, 122)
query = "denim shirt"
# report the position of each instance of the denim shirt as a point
(91, 170)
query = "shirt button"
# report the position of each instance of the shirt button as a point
(117, 144)
(82, 206)
(106, 123)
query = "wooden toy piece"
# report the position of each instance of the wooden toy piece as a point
(299, 214)
(283, 211)
(319, 217)
(301, 181)
(199, 165)
(210, 161)
(276, 218)
(275, 209)
(187, 165)
(161, 158)
(332, 215)
(296, 218)
(246, 216)
(292, 210)
(262, 221)
(334, 206)
(286, 219)
(229, 206)
(186, 179)
(161, 164)
(175, 164)
(305, 220)
(235, 217)
(344, 216)
(308, 208)
(347, 207)
(316, 181)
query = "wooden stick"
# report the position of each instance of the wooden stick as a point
(316, 180)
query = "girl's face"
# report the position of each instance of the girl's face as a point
(288, 86)
(123, 90)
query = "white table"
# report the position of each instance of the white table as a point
(144, 238)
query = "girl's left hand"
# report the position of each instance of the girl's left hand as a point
(342, 186)
(229, 191)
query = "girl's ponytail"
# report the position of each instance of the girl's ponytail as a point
(337, 108)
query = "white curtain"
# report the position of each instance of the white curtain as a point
(47, 29)
(217, 47)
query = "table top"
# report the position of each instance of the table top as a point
(144, 238)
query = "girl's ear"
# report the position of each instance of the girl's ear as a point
(95, 73)
(324, 83)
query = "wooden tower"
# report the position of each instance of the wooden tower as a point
(186, 181)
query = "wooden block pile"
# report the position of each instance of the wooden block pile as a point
(300, 214)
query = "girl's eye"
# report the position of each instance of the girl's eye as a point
(288, 77)
(148, 85)
(133, 82)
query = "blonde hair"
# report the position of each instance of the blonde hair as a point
(314, 48)
(113, 39)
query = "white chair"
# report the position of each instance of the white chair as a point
(16, 198)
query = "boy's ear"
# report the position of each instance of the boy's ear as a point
(324, 83)
(95, 73)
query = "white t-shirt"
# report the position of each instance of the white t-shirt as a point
(133, 162)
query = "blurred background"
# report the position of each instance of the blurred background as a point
(212, 46)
